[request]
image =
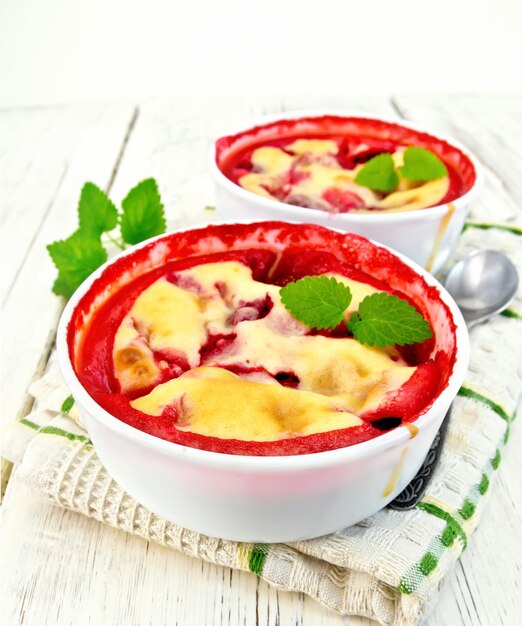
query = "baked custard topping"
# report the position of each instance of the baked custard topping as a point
(208, 399)
(308, 173)
(250, 370)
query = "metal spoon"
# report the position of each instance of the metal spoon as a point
(482, 284)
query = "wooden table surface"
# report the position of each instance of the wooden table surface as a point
(46, 154)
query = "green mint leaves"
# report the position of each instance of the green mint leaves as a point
(378, 174)
(420, 165)
(381, 319)
(386, 320)
(143, 215)
(318, 301)
(96, 213)
(83, 252)
(75, 258)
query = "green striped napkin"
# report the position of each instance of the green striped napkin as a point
(391, 566)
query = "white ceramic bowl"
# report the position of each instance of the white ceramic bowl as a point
(427, 236)
(248, 498)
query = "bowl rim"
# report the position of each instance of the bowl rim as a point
(427, 214)
(268, 464)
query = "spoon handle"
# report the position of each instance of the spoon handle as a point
(413, 492)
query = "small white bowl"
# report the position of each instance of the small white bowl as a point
(427, 236)
(249, 498)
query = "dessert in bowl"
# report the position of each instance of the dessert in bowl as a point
(388, 181)
(215, 407)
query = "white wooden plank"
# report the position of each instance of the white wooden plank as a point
(94, 136)
(36, 148)
(33, 162)
(488, 574)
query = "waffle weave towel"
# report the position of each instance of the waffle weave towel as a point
(389, 567)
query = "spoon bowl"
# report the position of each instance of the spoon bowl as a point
(482, 284)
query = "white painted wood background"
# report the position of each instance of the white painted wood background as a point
(59, 568)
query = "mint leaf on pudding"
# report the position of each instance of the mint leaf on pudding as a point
(378, 174)
(96, 213)
(75, 258)
(386, 320)
(143, 215)
(421, 165)
(381, 319)
(318, 301)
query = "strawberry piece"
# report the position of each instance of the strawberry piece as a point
(287, 379)
(297, 262)
(342, 200)
(216, 344)
(295, 176)
(249, 311)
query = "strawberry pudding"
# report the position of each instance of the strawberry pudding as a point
(187, 339)
(316, 162)
(392, 182)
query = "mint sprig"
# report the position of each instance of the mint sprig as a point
(318, 301)
(381, 319)
(83, 252)
(378, 174)
(422, 165)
